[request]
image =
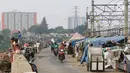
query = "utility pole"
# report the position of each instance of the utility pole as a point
(92, 19)
(87, 18)
(99, 29)
(126, 18)
(76, 17)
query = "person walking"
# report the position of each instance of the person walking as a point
(38, 45)
(19, 38)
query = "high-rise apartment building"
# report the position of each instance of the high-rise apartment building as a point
(18, 20)
(71, 22)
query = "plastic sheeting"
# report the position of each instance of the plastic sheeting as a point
(73, 42)
(85, 55)
(98, 42)
(101, 40)
(115, 38)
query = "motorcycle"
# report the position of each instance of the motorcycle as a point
(61, 55)
(29, 53)
(55, 51)
(34, 67)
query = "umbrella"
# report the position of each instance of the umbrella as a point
(14, 31)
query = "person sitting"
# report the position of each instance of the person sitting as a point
(12, 41)
(16, 49)
(26, 45)
(61, 46)
(52, 46)
(56, 45)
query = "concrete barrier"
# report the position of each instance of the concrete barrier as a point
(20, 64)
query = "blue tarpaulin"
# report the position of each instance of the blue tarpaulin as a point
(95, 42)
(115, 38)
(85, 55)
(73, 42)
(98, 42)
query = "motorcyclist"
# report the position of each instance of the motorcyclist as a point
(56, 45)
(61, 47)
(52, 47)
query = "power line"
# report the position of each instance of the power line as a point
(111, 1)
(118, 1)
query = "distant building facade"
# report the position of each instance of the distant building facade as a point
(0, 27)
(18, 20)
(71, 22)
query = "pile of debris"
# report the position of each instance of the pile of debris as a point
(5, 64)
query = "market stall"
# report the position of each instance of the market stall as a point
(75, 38)
(98, 42)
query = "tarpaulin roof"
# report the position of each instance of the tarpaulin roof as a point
(115, 38)
(73, 42)
(98, 42)
(101, 40)
(77, 36)
(95, 41)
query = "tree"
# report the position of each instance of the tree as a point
(33, 29)
(6, 34)
(60, 29)
(1, 38)
(24, 31)
(70, 30)
(80, 29)
(87, 32)
(52, 30)
(40, 30)
(44, 26)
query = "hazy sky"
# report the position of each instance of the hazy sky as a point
(55, 11)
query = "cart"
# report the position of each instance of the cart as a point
(96, 60)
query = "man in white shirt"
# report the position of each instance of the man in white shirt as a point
(38, 45)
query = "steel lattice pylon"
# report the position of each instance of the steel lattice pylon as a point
(108, 15)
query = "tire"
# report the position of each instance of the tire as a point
(73, 55)
(61, 58)
(34, 68)
(55, 53)
(61, 61)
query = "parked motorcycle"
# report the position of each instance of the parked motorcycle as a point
(29, 53)
(34, 67)
(61, 55)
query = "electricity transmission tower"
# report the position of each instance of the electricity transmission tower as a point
(110, 15)
(76, 18)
